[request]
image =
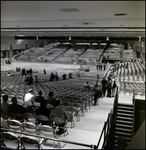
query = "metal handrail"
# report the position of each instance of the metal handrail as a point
(109, 123)
(53, 139)
(133, 100)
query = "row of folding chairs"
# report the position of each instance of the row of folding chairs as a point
(27, 134)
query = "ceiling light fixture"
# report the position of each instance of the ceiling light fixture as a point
(120, 14)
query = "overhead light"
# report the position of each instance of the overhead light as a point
(120, 14)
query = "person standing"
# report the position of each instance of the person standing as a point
(114, 85)
(44, 71)
(97, 95)
(104, 85)
(109, 87)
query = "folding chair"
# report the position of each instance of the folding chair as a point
(15, 125)
(43, 120)
(79, 107)
(29, 117)
(75, 110)
(47, 131)
(29, 128)
(58, 122)
(30, 142)
(71, 118)
(10, 140)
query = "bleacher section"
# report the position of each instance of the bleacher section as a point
(112, 54)
(91, 54)
(71, 54)
(32, 53)
(53, 53)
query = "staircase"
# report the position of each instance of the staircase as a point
(123, 125)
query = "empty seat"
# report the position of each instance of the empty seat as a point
(10, 140)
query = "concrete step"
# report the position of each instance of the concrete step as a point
(125, 114)
(125, 104)
(127, 138)
(125, 122)
(123, 130)
(125, 108)
(125, 111)
(124, 118)
(124, 126)
(117, 133)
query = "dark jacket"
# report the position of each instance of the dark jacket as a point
(51, 100)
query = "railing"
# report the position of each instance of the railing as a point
(53, 139)
(133, 110)
(108, 127)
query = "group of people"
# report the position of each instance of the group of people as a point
(100, 66)
(109, 85)
(54, 77)
(49, 107)
(26, 72)
(105, 87)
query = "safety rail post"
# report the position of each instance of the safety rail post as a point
(133, 100)
(101, 135)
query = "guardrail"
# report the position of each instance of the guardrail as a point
(53, 139)
(106, 134)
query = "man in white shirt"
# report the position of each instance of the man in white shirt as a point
(29, 96)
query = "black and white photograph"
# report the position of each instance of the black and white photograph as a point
(72, 75)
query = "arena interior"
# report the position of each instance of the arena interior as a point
(77, 42)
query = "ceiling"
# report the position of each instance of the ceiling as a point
(68, 18)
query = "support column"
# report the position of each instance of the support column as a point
(129, 45)
(45, 43)
(10, 52)
(7, 54)
(122, 51)
(26, 46)
(2, 55)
